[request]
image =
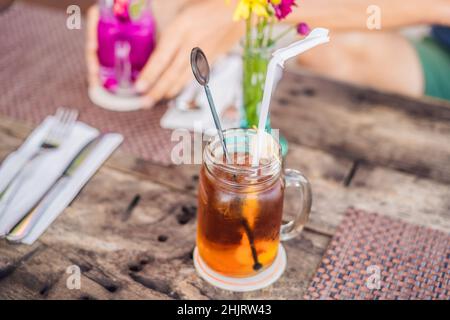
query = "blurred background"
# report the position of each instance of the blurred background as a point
(60, 4)
(45, 64)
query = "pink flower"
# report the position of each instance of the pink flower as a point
(120, 9)
(282, 7)
(303, 29)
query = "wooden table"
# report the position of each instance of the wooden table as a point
(359, 148)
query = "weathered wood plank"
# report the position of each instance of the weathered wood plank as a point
(151, 249)
(36, 278)
(147, 253)
(92, 233)
(399, 195)
(388, 130)
(159, 230)
(374, 189)
(414, 199)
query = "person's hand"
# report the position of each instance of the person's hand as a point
(207, 24)
(166, 12)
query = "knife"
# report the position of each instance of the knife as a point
(23, 228)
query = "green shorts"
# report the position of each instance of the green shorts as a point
(435, 60)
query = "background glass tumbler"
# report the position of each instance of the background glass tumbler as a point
(126, 38)
(241, 207)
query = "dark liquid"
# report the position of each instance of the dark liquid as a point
(238, 231)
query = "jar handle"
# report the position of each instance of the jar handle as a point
(296, 179)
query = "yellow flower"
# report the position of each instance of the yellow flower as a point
(244, 7)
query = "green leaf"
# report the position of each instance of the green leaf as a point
(136, 9)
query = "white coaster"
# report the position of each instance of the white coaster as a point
(261, 280)
(107, 100)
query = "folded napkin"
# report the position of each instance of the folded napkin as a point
(15, 161)
(190, 110)
(95, 158)
(36, 178)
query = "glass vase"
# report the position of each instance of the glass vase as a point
(255, 61)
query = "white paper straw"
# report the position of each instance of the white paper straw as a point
(316, 37)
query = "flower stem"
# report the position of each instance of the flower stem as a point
(282, 34)
(260, 32)
(248, 35)
(269, 38)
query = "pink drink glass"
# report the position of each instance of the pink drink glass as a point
(126, 38)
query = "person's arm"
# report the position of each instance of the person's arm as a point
(353, 15)
(167, 10)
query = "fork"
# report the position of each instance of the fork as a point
(64, 120)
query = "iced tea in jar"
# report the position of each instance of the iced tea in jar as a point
(240, 204)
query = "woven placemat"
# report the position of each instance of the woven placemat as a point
(375, 257)
(42, 67)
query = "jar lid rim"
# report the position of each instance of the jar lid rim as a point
(213, 154)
